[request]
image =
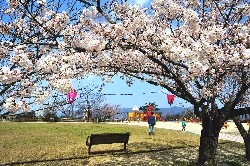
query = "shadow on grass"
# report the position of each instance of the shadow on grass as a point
(49, 160)
(154, 154)
(233, 157)
(118, 153)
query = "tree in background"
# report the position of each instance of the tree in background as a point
(90, 101)
(50, 116)
(149, 107)
(109, 110)
(196, 50)
(188, 113)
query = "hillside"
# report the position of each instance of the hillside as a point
(172, 111)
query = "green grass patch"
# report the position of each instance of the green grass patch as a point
(64, 143)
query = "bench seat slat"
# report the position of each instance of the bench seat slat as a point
(107, 138)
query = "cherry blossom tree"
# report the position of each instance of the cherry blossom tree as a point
(26, 41)
(197, 50)
(109, 110)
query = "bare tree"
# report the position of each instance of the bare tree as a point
(90, 100)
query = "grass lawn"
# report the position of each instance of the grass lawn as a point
(64, 143)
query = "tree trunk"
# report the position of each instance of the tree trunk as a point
(209, 140)
(245, 135)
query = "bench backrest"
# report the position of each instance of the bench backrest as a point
(109, 138)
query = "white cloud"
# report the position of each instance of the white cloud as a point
(164, 91)
(142, 2)
(168, 31)
(90, 77)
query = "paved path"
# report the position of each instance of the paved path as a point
(231, 133)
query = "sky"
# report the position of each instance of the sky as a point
(142, 2)
(137, 94)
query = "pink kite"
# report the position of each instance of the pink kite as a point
(170, 99)
(71, 96)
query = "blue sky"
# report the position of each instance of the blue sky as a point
(143, 2)
(142, 93)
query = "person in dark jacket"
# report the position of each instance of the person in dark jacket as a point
(151, 123)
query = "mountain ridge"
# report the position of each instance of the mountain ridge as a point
(172, 110)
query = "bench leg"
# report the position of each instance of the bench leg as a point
(125, 148)
(89, 149)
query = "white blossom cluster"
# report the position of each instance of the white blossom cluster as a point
(61, 85)
(3, 50)
(59, 21)
(22, 60)
(47, 64)
(8, 76)
(168, 43)
(42, 2)
(41, 95)
(12, 105)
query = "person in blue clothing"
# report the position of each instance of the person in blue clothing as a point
(151, 123)
(183, 124)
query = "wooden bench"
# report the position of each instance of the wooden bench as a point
(107, 138)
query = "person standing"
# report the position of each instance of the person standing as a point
(151, 123)
(183, 124)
